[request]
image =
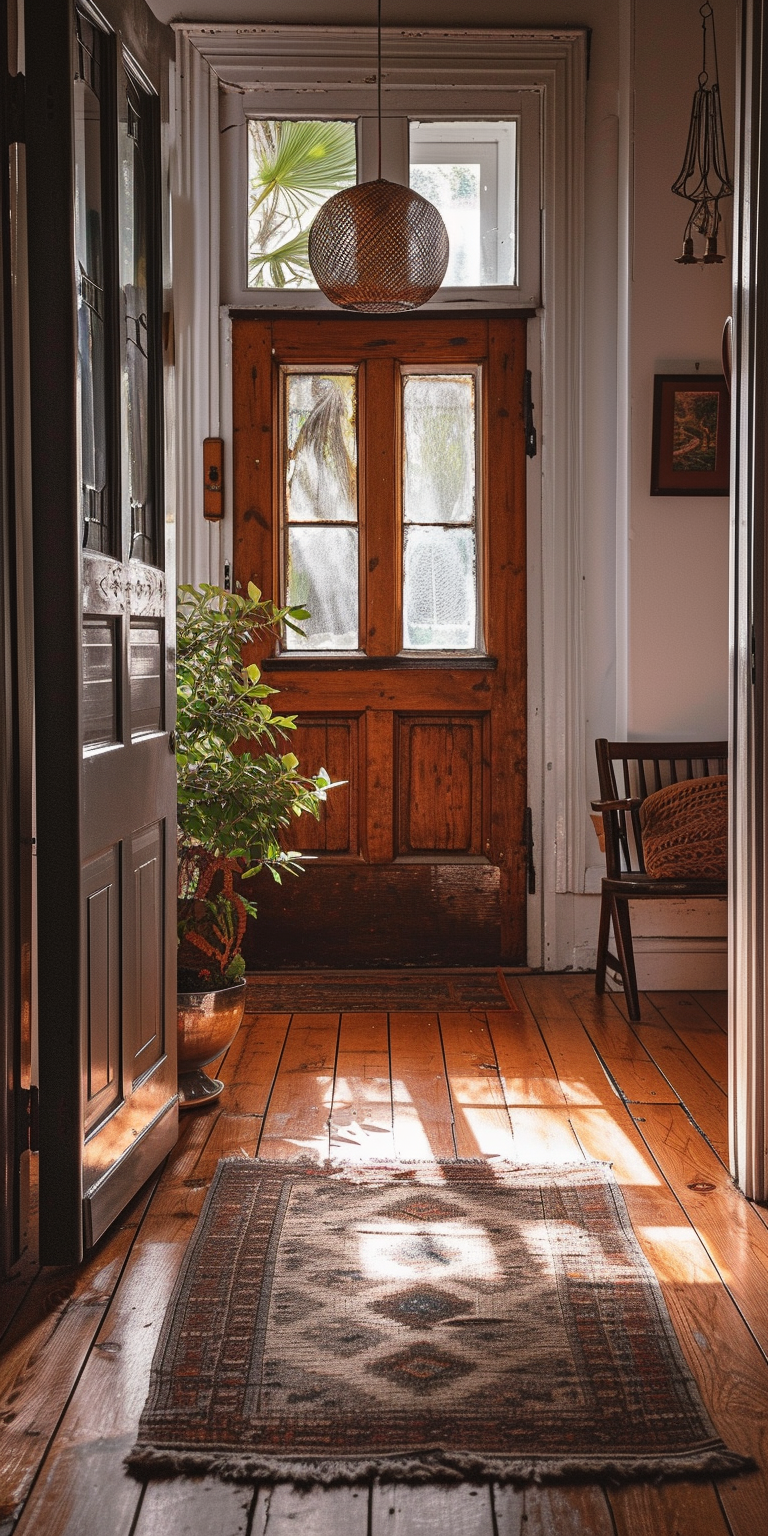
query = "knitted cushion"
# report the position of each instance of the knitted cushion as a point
(685, 830)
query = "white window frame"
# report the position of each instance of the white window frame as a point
(326, 71)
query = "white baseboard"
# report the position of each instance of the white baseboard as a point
(666, 964)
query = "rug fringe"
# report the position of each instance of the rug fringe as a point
(433, 1466)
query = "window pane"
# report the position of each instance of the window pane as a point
(322, 577)
(91, 301)
(320, 507)
(439, 435)
(136, 145)
(469, 171)
(439, 602)
(439, 494)
(293, 167)
(321, 447)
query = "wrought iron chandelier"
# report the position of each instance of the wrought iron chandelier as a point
(704, 178)
(378, 247)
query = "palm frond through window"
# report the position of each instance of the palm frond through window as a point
(293, 167)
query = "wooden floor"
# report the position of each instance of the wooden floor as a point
(558, 1076)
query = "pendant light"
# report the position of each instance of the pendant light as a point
(378, 247)
(704, 178)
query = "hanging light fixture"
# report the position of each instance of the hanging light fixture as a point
(704, 178)
(378, 247)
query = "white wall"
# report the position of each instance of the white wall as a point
(655, 569)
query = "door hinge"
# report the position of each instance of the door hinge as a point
(27, 1120)
(530, 430)
(753, 657)
(530, 867)
(15, 111)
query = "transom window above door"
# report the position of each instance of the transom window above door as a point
(420, 426)
(482, 173)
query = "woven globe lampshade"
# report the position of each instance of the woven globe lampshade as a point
(378, 248)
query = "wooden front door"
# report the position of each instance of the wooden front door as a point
(380, 481)
(104, 619)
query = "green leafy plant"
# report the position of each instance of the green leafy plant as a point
(294, 167)
(237, 793)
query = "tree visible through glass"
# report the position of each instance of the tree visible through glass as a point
(320, 508)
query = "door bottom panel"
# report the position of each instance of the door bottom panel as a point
(356, 917)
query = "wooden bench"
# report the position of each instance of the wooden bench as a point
(642, 768)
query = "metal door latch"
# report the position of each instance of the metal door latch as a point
(530, 867)
(530, 430)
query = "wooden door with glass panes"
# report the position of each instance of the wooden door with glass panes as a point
(379, 470)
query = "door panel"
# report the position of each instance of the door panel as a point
(104, 617)
(434, 675)
(441, 772)
(101, 993)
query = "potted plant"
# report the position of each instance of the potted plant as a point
(237, 795)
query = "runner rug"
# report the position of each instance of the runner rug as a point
(421, 1321)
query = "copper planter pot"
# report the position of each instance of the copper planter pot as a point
(208, 1023)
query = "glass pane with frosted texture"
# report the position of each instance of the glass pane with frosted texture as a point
(439, 448)
(320, 445)
(136, 144)
(469, 171)
(322, 577)
(439, 589)
(91, 296)
(293, 167)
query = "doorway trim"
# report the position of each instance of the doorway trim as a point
(553, 63)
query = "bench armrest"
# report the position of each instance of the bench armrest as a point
(617, 805)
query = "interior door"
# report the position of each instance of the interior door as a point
(104, 637)
(380, 481)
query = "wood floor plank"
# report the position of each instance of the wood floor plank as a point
(688, 1509)
(45, 1348)
(716, 1005)
(231, 1136)
(525, 1068)
(251, 1062)
(283, 1511)
(553, 1512)
(624, 1055)
(400, 1510)
(726, 1361)
(580, 1075)
(421, 1104)
(730, 1229)
(703, 1037)
(296, 1121)
(195, 1506)
(83, 1474)
(482, 1125)
(702, 1097)
(544, 1135)
(361, 1110)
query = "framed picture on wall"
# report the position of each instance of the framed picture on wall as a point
(691, 435)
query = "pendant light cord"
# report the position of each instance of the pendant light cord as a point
(378, 79)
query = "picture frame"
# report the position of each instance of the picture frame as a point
(690, 453)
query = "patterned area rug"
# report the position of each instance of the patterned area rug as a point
(430, 1321)
(373, 991)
